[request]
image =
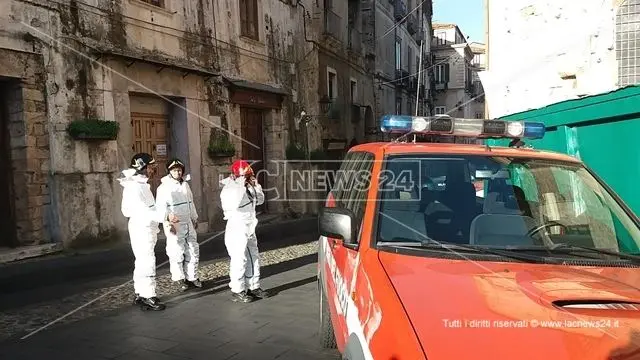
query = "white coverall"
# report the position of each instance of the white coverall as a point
(182, 248)
(239, 207)
(139, 206)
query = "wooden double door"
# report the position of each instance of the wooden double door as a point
(150, 135)
(252, 130)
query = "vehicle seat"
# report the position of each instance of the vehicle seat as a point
(437, 216)
(401, 218)
(460, 197)
(500, 225)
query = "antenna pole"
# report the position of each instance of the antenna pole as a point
(419, 76)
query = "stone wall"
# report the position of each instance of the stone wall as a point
(88, 58)
(29, 142)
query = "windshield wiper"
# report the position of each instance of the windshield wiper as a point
(567, 248)
(411, 243)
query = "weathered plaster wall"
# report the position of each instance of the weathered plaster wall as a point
(271, 60)
(29, 139)
(82, 174)
(532, 44)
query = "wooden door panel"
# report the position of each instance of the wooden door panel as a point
(251, 126)
(151, 130)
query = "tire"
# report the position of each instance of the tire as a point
(327, 335)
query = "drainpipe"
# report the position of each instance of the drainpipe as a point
(304, 24)
(315, 45)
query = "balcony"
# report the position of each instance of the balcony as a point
(402, 78)
(332, 24)
(355, 40)
(399, 10)
(412, 24)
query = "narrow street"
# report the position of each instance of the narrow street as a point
(196, 324)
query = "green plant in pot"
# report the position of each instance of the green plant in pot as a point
(295, 152)
(220, 146)
(93, 129)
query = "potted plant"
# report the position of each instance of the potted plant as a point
(93, 129)
(220, 146)
(295, 152)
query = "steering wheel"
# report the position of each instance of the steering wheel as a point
(547, 224)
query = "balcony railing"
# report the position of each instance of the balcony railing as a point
(355, 40)
(332, 23)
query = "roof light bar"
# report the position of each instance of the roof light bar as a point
(446, 125)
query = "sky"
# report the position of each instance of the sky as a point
(467, 14)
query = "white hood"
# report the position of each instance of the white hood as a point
(137, 199)
(175, 197)
(167, 179)
(234, 200)
(225, 181)
(129, 178)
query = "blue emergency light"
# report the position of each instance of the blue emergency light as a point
(446, 125)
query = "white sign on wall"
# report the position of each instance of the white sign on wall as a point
(161, 150)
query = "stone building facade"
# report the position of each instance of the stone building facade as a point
(453, 72)
(208, 81)
(398, 29)
(176, 76)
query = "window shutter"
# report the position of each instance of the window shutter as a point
(243, 17)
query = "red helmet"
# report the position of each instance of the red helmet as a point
(241, 168)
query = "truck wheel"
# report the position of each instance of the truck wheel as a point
(327, 336)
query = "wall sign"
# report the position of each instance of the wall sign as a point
(161, 149)
(256, 98)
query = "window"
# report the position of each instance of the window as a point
(441, 110)
(398, 54)
(354, 91)
(158, 3)
(332, 83)
(442, 73)
(409, 58)
(497, 201)
(479, 115)
(441, 38)
(352, 184)
(398, 106)
(628, 43)
(249, 19)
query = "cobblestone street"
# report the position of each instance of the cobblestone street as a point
(196, 325)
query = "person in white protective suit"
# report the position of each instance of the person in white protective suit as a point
(174, 196)
(139, 206)
(240, 195)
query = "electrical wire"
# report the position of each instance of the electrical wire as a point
(402, 20)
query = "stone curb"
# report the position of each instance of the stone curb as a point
(19, 276)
